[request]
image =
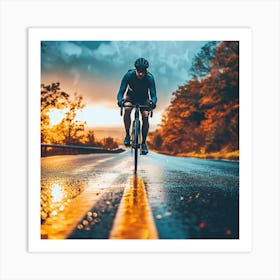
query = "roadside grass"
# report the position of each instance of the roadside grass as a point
(234, 155)
(220, 155)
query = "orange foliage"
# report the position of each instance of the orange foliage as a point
(203, 116)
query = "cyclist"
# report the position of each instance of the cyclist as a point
(139, 86)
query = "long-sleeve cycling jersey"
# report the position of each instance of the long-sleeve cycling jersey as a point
(138, 90)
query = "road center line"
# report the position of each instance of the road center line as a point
(104, 160)
(134, 219)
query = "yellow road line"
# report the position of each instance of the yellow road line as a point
(134, 219)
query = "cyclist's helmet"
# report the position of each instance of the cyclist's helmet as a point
(141, 64)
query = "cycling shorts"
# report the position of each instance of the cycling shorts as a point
(141, 102)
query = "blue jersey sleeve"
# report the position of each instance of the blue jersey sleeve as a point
(153, 92)
(123, 87)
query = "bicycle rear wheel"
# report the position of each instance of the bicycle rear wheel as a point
(136, 125)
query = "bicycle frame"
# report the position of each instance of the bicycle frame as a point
(136, 129)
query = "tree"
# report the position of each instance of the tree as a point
(69, 130)
(201, 65)
(90, 137)
(72, 129)
(221, 103)
(203, 115)
(51, 97)
(109, 143)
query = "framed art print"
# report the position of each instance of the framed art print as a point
(89, 191)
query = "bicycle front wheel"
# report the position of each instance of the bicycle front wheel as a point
(136, 143)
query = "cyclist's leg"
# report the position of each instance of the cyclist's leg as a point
(127, 122)
(145, 125)
(145, 128)
(145, 121)
(127, 117)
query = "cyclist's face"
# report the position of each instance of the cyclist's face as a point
(140, 74)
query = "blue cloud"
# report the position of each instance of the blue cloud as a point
(108, 61)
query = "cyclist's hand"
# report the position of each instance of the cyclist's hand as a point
(121, 103)
(152, 105)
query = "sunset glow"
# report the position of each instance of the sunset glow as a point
(98, 116)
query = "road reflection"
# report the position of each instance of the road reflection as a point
(134, 218)
(57, 194)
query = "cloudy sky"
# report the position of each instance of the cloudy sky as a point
(94, 70)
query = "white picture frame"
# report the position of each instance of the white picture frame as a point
(243, 36)
(261, 261)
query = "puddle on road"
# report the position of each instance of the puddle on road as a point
(64, 202)
(56, 195)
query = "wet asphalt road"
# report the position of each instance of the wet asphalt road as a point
(188, 198)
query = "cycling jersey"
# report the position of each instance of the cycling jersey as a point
(138, 90)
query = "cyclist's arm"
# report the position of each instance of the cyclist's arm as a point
(153, 92)
(123, 86)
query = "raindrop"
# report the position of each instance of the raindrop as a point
(228, 232)
(158, 217)
(168, 214)
(54, 213)
(80, 226)
(85, 222)
(182, 198)
(202, 225)
(89, 214)
(94, 214)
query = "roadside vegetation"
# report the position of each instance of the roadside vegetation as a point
(68, 131)
(202, 119)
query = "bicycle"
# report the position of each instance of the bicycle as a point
(136, 130)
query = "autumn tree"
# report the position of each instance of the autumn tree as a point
(69, 130)
(51, 97)
(203, 115)
(109, 143)
(72, 129)
(90, 137)
(221, 100)
(202, 62)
